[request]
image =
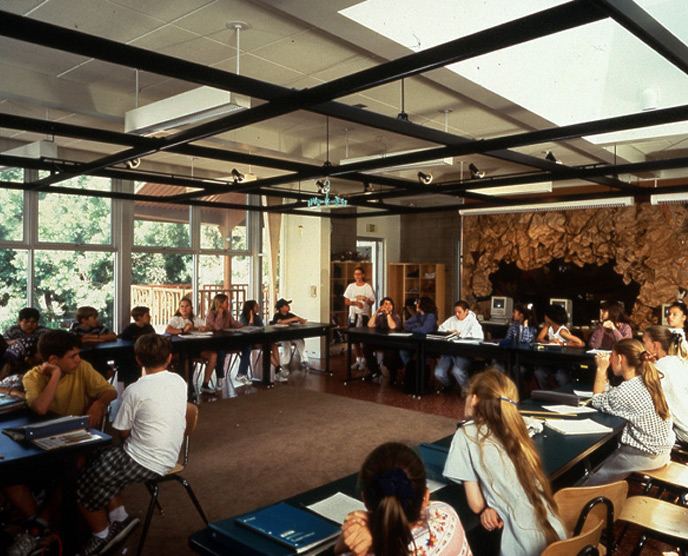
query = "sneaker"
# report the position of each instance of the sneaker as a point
(220, 383)
(208, 390)
(238, 382)
(25, 544)
(120, 530)
(279, 377)
(244, 378)
(356, 366)
(95, 546)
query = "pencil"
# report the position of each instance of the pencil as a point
(548, 413)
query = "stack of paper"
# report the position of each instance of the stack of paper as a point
(577, 426)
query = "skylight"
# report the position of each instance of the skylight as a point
(595, 71)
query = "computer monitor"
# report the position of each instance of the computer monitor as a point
(567, 304)
(665, 314)
(501, 308)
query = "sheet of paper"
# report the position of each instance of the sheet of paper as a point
(577, 426)
(404, 334)
(583, 393)
(569, 409)
(337, 506)
(596, 351)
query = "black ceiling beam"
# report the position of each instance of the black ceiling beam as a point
(573, 14)
(641, 24)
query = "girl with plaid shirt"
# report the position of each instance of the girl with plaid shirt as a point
(647, 438)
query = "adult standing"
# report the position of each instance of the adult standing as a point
(359, 297)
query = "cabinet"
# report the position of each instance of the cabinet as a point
(341, 275)
(406, 282)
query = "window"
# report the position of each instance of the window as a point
(224, 229)
(160, 225)
(11, 206)
(13, 285)
(76, 219)
(66, 280)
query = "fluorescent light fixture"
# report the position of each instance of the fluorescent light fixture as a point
(513, 190)
(191, 107)
(412, 166)
(544, 207)
(39, 149)
(668, 198)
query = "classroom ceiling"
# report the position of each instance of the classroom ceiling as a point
(455, 82)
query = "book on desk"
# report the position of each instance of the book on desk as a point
(54, 433)
(298, 531)
(9, 403)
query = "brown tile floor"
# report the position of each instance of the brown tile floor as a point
(446, 404)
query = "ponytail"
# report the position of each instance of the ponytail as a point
(673, 343)
(393, 482)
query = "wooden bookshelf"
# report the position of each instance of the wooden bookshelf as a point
(406, 281)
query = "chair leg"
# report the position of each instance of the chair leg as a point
(191, 494)
(154, 489)
(154, 496)
(640, 545)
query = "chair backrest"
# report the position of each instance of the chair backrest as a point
(575, 545)
(571, 502)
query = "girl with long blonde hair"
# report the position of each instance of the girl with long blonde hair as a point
(496, 460)
(647, 438)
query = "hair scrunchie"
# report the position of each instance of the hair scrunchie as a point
(393, 482)
(676, 338)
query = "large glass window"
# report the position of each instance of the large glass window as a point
(13, 285)
(76, 219)
(66, 280)
(11, 206)
(159, 281)
(158, 224)
(224, 229)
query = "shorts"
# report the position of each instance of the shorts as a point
(359, 320)
(105, 476)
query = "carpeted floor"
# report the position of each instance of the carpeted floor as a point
(255, 450)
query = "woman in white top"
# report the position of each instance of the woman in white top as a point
(555, 332)
(668, 351)
(183, 321)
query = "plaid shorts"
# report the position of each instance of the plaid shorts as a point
(104, 477)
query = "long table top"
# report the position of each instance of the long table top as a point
(565, 459)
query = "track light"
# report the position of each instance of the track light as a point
(475, 173)
(133, 163)
(367, 188)
(424, 178)
(550, 156)
(321, 186)
(238, 176)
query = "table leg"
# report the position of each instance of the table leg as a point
(348, 359)
(267, 354)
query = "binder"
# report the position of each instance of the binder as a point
(297, 529)
(50, 427)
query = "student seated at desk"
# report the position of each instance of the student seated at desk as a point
(501, 471)
(285, 316)
(250, 316)
(677, 318)
(648, 437)
(384, 319)
(423, 321)
(555, 332)
(128, 370)
(183, 321)
(66, 385)
(400, 519)
(464, 324)
(668, 351)
(20, 353)
(91, 332)
(151, 420)
(613, 326)
(220, 318)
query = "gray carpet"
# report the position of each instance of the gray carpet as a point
(258, 449)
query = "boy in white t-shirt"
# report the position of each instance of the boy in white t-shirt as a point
(359, 297)
(151, 419)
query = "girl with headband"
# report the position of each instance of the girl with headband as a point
(668, 351)
(400, 520)
(647, 438)
(496, 460)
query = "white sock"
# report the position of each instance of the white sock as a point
(102, 534)
(118, 514)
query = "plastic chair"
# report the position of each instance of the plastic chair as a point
(585, 543)
(658, 519)
(153, 485)
(580, 508)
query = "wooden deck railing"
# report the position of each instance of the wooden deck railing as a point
(163, 300)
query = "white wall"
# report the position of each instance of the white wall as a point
(305, 271)
(387, 228)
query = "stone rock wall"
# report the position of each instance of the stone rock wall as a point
(648, 243)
